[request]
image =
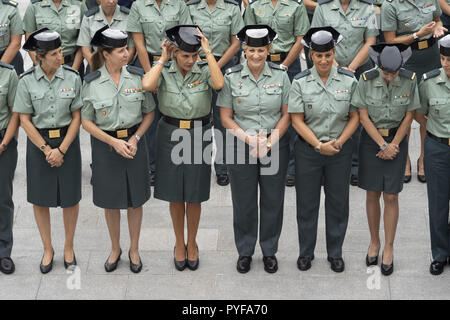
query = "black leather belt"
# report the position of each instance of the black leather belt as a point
(54, 133)
(277, 57)
(123, 133)
(388, 132)
(422, 45)
(2, 134)
(189, 123)
(215, 57)
(445, 141)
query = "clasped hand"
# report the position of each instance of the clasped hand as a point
(389, 153)
(54, 158)
(126, 149)
(259, 144)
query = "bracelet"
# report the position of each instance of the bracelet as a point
(208, 52)
(159, 62)
(61, 151)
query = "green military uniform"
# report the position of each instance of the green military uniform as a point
(434, 90)
(356, 25)
(8, 159)
(326, 112)
(257, 105)
(387, 106)
(118, 183)
(406, 17)
(95, 18)
(50, 102)
(183, 98)
(10, 24)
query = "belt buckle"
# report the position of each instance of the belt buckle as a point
(275, 57)
(122, 133)
(448, 142)
(384, 132)
(422, 44)
(185, 124)
(52, 134)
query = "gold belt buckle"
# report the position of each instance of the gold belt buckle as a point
(122, 133)
(185, 124)
(384, 132)
(275, 57)
(422, 44)
(52, 134)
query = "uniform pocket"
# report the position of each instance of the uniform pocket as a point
(4, 35)
(66, 98)
(38, 102)
(439, 108)
(103, 108)
(171, 21)
(3, 96)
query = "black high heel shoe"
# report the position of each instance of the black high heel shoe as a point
(110, 267)
(179, 265)
(420, 177)
(387, 269)
(47, 268)
(67, 265)
(371, 261)
(136, 268)
(407, 178)
(193, 264)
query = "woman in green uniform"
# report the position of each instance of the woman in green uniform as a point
(9, 122)
(63, 16)
(254, 110)
(415, 23)
(184, 93)
(386, 97)
(220, 21)
(435, 95)
(117, 112)
(11, 35)
(325, 119)
(49, 101)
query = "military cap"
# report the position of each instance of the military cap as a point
(390, 57)
(257, 35)
(109, 38)
(184, 37)
(42, 39)
(444, 45)
(321, 39)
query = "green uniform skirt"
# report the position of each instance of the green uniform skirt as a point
(54, 187)
(117, 182)
(376, 174)
(183, 177)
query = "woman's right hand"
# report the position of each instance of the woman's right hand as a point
(256, 140)
(329, 148)
(167, 49)
(426, 29)
(123, 148)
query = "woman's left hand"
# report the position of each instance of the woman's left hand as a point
(54, 158)
(439, 31)
(204, 41)
(133, 148)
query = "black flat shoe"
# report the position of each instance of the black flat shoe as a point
(243, 264)
(337, 264)
(223, 179)
(7, 265)
(110, 267)
(49, 267)
(179, 265)
(152, 177)
(437, 267)
(67, 265)
(387, 269)
(420, 177)
(371, 261)
(354, 180)
(270, 264)
(304, 263)
(193, 264)
(136, 268)
(290, 180)
(407, 178)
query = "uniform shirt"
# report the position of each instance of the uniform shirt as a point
(50, 102)
(289, 19)
(8, 86)
(256, 104)
(112, 108)
(219, 24)
(406, 16)
(66, 20)
(10, 22)
(387, 105)
(147, 18)
(378, 2)
(188, 97)
(355, 25)
(326, 107)
(435, 99)
(93, 22)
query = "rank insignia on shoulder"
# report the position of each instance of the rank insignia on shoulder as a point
(431, 74)
(407, 74)
(236, 68)
(303, 74)
(12, 3)
(371, 74)
(346, 72)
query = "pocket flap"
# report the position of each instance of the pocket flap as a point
(103, 104)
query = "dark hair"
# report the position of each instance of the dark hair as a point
(40, 54)
(98, 60)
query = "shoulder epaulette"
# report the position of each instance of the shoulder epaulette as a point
(431, 74)
(69, 68)
(6, 65)
(34, 1)
(136, 70)
(367, 1)
(323, 1)
(236, 68)
(251, 1)
(371, 74)
(29, 71)
(11, 3)
(302, 74)
(407, 74)
(232, 2)
(275, 66)
(202, 63)
(193, 2)
(92, 11)
(124, 9)
(92, 76)
(346, 72)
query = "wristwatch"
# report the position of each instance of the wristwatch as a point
(285, 68)
(268, 145)
(384, 146)
(317, 148)
(415, 36)
(43, 147)
(137, 137)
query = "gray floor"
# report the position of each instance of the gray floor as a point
(217, 277)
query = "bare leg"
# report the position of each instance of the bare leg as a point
(113, 221)
(390, 225)
(134, 227)
(193, 211)
(373, 218)
(70, 223)
(423, 133)
(42, 217)
(177, 212)
(408, 161)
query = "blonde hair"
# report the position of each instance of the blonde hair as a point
(311, 51)
(269, 47)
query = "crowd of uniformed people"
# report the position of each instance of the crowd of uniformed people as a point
(133, 73)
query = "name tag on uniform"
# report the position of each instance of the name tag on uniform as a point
(52, 134)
